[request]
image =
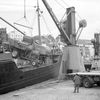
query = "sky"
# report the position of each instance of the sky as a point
(13, 11)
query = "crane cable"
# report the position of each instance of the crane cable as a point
(33, 22)
(65, 3)
(65, 8)
(23, 18)
(60, 4)
(46, 23)
(75, 18)
(24, 12)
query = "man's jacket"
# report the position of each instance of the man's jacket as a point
(77, 79)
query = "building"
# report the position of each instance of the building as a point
(3, 35)
(16, 36)
(86, 48)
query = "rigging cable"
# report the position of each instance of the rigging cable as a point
(46, 23)
(34, 18)
(60, 4)
(65, 3)
(67, 6)
(14, 5)
(79, 15)
(62, 17)
(24, 19)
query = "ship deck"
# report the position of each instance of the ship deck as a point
(30, 67)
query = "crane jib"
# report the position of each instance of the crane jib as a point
(61, 30)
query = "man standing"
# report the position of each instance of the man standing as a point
(77, 82)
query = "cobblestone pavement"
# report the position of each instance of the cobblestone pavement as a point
(53, 90)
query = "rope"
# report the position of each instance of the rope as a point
(46, 23)
(34, 18)
(60, 4)
(65, 3)
(63, 17)
(79, 34)
(13, 5)
(78, 15)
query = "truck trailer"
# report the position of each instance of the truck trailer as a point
(88, 78)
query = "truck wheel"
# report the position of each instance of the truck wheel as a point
(81, 84)
(98, 83)
(87, 82)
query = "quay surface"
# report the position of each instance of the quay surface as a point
(53, 90)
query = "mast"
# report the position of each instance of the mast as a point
(38, 15)
(24, 9)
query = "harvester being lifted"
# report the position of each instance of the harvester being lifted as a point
(25, 50)
(28, 49)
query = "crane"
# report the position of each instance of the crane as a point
(56, 21)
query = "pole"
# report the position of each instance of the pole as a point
(24, 9)
(38, 15)
(11, 25)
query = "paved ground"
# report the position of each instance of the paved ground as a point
(52, 90)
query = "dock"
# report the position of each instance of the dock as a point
(53, 90)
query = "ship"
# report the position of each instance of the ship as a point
(13, 78)
(37, 67)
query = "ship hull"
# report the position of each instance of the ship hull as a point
(31, 77)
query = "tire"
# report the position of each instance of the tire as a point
(87, 82)
(81, 84)
(98, 83)
(33, 63)
(14, 53)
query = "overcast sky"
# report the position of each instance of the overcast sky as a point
(12, 11)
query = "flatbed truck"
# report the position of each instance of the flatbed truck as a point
(88, 79)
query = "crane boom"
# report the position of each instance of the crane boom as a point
(11, 25)
(56, 21)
